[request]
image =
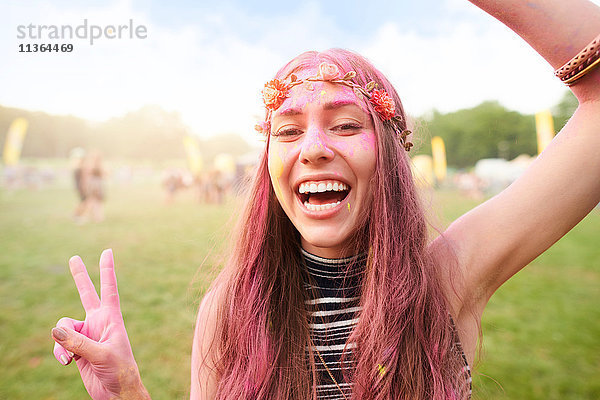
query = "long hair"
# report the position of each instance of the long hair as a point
(405, 338)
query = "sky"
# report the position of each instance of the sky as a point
(208, 60)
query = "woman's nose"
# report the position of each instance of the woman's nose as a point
(315, 147)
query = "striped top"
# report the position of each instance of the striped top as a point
(333, 305)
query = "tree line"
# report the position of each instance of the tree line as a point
(488, 130)
(149, 133)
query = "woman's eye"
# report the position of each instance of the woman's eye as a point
(347, 127)
(288, 132)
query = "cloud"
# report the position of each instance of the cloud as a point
(208, 72)
(464, 64)
(212, 70)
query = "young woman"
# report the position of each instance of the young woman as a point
(333, 290)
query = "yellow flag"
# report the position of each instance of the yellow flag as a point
(14, 141)
(422, 167)
(438, 150)
(544, 126)
(192, 149)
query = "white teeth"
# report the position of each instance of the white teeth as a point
(320, 187)
(320, 207)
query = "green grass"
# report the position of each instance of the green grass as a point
(541, 330)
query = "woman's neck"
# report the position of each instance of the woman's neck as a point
(332, 253)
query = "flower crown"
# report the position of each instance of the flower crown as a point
(276, 91)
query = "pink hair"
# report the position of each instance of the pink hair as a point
(404, 324)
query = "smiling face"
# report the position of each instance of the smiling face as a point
(322, 156)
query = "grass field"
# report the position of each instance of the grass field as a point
(541, 330)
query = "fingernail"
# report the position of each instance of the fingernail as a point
(70, 353)
(59, 333)
(74, 258)
(63, 359)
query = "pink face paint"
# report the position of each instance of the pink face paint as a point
(347, 94)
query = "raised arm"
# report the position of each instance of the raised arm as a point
(501, 236)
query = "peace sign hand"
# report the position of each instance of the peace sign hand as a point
(99, 344)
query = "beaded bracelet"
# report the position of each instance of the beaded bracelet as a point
(577, 67)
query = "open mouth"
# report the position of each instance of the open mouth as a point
(322, 195)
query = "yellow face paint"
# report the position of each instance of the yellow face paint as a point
(276, 169)
(348, 206)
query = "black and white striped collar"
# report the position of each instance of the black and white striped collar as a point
(359, 258)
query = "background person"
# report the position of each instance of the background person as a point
(93, 181)
(77, 159)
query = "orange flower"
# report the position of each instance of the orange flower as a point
(274, 94)
(383, 103)
(263, 127)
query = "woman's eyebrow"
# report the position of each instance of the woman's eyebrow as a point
(332, 105)
(290, 111)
